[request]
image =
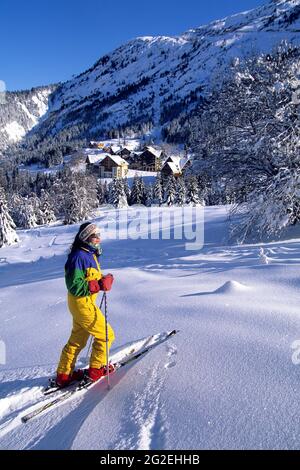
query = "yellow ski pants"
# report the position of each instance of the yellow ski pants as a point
(87, 320)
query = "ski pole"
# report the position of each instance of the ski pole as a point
(106, 339)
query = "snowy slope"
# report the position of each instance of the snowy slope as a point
(227, 380)
(156, 78)
(148, 82)
(20, 112)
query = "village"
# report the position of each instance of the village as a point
(117, 160)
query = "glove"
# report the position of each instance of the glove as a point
(94, 287)
(106, 282)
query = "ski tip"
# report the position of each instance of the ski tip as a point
(173, 332)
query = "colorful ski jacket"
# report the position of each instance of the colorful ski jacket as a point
(81, 267)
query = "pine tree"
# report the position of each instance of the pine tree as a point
(105, 192)
(26, 214)
(248, 141)
(126, 188)
(76, 204)
(100, 193)
(8, 234)
(158, 191)
(149, 195)
(112, 192)
(170, 191)
(14, 203)
(181, 192)
(192, 193)
(117, 196)
(138, 191)
(46, 214)
(34, 202)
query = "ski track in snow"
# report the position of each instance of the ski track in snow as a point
(18, 395)
(146, 427)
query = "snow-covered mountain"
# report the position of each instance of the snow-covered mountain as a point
(20, 111)
(150, 81)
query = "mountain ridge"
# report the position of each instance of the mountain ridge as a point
(147, 83)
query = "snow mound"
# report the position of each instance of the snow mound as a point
(231, 287)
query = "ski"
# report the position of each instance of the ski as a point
(65, 395)
(53, 388)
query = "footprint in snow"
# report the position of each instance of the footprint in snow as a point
(172, 351)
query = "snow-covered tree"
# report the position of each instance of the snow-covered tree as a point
(149, 195)
(170, 191)
(248, 140)
(8, 235)
(138, 191)
(46, 213)
(192, 191)
(76, 204)
(73, 196)
(266, 214)
(26, 213)
(116, 193)
(181, 192)
(126, 188)
(101, 193)
(158, 191)
(105, 192)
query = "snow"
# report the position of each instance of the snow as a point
(163, 70)
(227, 42)
(174, 167)
(15, 131)
(41, 101)
(117, 159)
(116, 148)
(96, 158)
(31, 116)
(153, 150)
(30, 110)
(227, 380)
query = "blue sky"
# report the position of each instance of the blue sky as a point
(46, 41)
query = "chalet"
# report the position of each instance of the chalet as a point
(134, 161)
(111, 166)
(175, 166)
(92, 162)
(124, 152)
(147, 160)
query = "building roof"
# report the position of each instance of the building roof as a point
(124, 148)
(175, 168)
(116, 158)
(116, 148)
(155, 152)
(95, 158)
(179, 161)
